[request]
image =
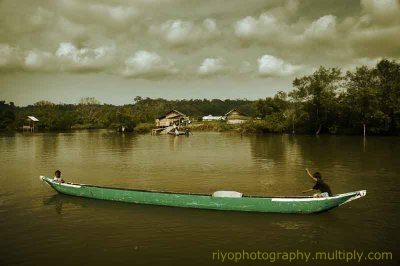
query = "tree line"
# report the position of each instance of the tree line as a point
(363, 101)
(366, 100)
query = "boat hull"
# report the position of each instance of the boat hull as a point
(204, 201)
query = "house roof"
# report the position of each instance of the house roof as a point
(235, 110)
(34, 119)
(175, 111)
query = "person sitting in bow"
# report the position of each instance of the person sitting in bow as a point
(58, 177)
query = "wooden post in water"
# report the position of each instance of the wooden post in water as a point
(364, 130)
(293, 125)
(364, 143)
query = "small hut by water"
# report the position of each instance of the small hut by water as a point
(29, 124)
(235, 117)
(171, 120)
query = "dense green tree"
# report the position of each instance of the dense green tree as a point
(88, 111)
(7, 115)
(318, 92)
(388, 73)
(295, 113)
(361, 101)
(270, 105)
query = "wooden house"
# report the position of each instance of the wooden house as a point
(171, 118)
(29, 124)
(235, 117)
(171, 121)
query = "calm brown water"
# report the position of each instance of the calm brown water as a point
(40, 227)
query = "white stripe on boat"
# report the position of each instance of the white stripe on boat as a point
(297, 199)
(68, 185)
(357, 194)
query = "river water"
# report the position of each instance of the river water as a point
(40, 227)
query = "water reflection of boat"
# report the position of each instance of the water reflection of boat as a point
(177, 133)
(124, 129)
(221, 200)
(63, 202)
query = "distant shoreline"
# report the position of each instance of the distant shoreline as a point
(364, 101)
(243, 129)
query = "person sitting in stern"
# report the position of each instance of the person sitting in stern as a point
(319, 185)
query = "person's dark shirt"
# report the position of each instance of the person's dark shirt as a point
(323, 187)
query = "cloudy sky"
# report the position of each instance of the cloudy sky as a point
(114, 50)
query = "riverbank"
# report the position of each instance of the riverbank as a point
(252, 127)
(341, 105)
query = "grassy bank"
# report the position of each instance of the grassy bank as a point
(250, 127)
(218, 126)
(142, 128)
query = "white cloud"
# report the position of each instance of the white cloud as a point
(38, 60)
(270, 66)
(380, 12)
(69, 58)
(272, 29)
(84, 58)
(250, 27)
(180, 32)
(118, 13)
(148, 64)
(177, 31)
(211, 66)
(9, 56)
(246, 27)
(381, 7)
(272, 26)
(323, 27)
(210, 25)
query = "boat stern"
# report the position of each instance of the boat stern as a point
(354, 195)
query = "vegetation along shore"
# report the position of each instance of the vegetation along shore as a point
(328, 101)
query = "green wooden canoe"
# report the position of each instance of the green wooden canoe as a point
(206, 201)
